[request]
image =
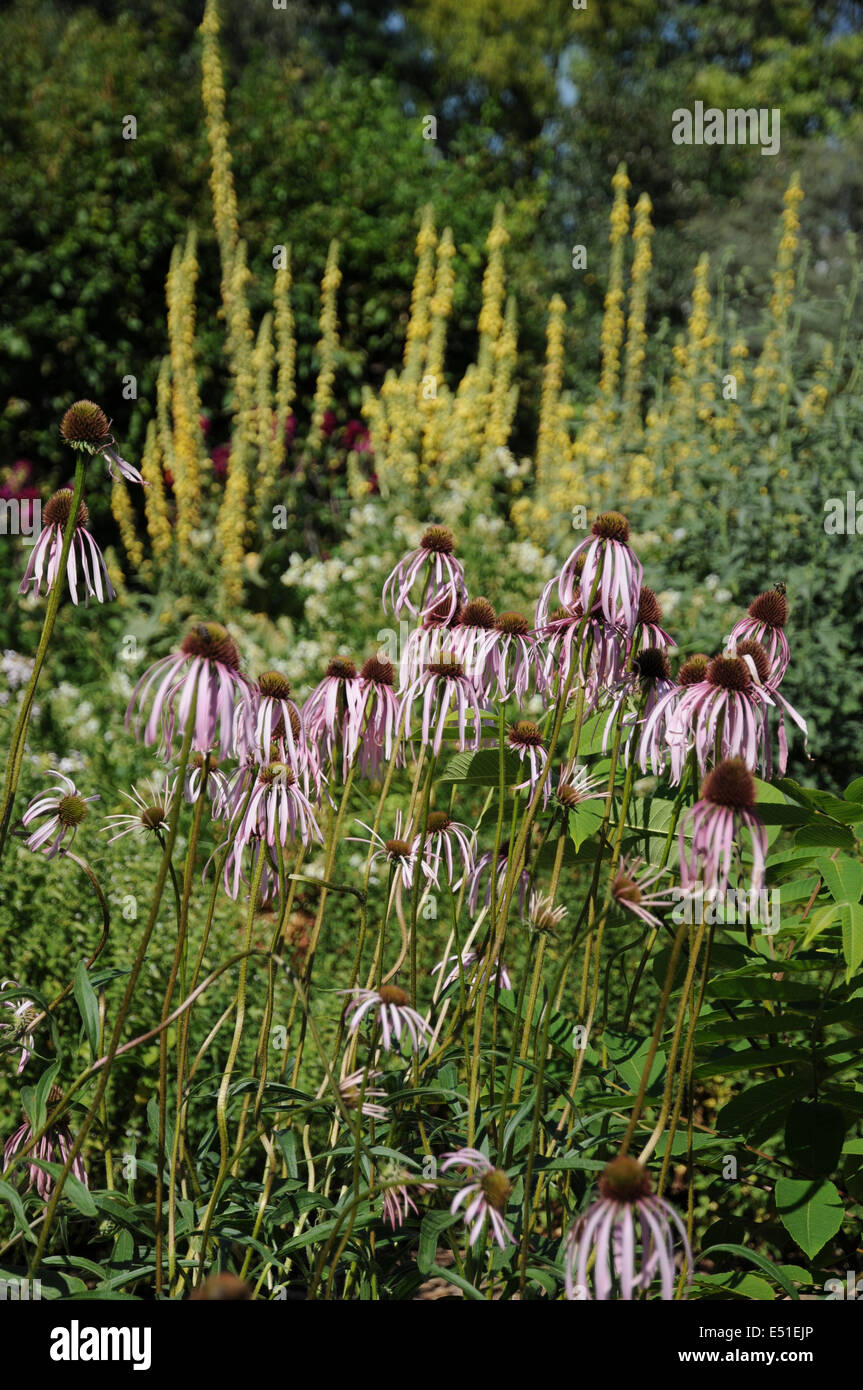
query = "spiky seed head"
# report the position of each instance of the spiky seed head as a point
(731, 785)
(649, 610)
(477, 613)
(85, 426)
(59, 507)
(771, 608)
(693, 669)
(379, 672)
(652, 664)
(729, 673)
(438, 539)
(277, 686)
(758, 656)
(341, 668)
(611, 526)
(212, 642)
(392, 994)
(513, 624)
(624, 1180)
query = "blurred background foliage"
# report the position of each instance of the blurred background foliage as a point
(535, 103)
(549, 399)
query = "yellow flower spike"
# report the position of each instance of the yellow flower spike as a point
(774, 369)
(185, 402)
(504, 396)
(163, 420)
(328, 346)
(121, 508)
(263, 357)
(552, 440)
(155, 505)
(221, 176)
(419, 321)
(286, 357)
(611, 336)
(636, 338)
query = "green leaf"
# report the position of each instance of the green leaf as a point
(482, 769)
(73, 1188)
(810, 1212)
(9, 1194)
(584, 822)
(827, 833)
(88, 1006)
(852, 937)
(814, 1134)
(843, 877)
(760, 1110)
(819, 922)
(40, 1094)
(433, 1224)
(449, 1276)
(760, 1261)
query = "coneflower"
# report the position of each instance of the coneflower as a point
(24, 1013)
(628, 1236)
(448, 845)
(609, 580)
(765, 623)
(769, 676)
(524, 738)
(276, 813)
(85, 426)
(61, 810)
(443, 690)
(575, 784)
(391, 1008)
(201, 684)
(636, 695)
(467, 636)
(597, 648)
(649, 620)
(84, 554)
(634, 890)
(485, 1194)
(53, 1147)
(373, 721)
(334, 707)
(150, 816)
(434, 567)
(721, 716)
(400, 852)
(660, 731)
(431, 640)
(510, 658)
(710, 830)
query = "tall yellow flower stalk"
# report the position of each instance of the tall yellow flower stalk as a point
(419, 322)
(185, 401)
(812, 406)
(772, 371)
(262, 362)
(636, 334)
(125, 519)
(155, 503)
(328, 346)
(225, 216)
(552, 444)
(286, 358)
(504, 395)
(435, 397)
(611, 336)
